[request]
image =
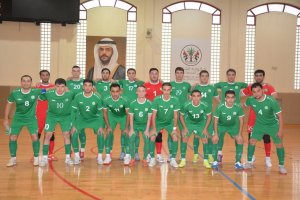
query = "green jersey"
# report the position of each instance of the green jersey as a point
(236, 87)
(25, 102)
(129, 89)
(195, 114)
(58, 105)
(181, 90)
(208, 92)
(75, 86)
(116, 107)
(88, 108)
(165, 109)
(103, 88)
(228, 116)
(140, 112)
(265, 110)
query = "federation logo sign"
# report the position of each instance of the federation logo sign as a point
(191, 55)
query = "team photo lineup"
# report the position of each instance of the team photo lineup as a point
(143, 111)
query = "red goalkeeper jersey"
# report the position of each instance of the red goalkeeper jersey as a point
(153, 90)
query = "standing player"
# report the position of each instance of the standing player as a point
(224, 86)
(129, 88)
(103, 86)
(259, 76)
(195, 117)
(139, 119)
(208, 94)
(153, 89)
(41, 111)
(268, 121)
(115, 111)
(25, 99)
(59, 112)
(181, 90)
(165, 116)
(86, 113)
(229, 118)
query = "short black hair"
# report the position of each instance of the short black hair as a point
(44, 70)
(203, 71)
(142, 86)
(255, 85)
(229, 92)
(60, 81)
(131, 69)
(24, 76)
(88, 81)
(259, 71)
(179, 69)
(196, 91)
(113, 85)
(153, 69)
(105, 69)
(231, 70)
(75, 66)
(166, 84)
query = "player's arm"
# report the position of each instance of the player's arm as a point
(205, 132)
(153, 131)
(185, 129)
(280, 123)
(175, 122)
(6, 114)
(148, 125)
(241, 118)
(127, 121)
(131, 130)
(105, 116)
(215, 137)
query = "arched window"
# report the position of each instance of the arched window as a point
(82, 30)
(167, 35)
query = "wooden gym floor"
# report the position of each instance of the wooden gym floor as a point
(92, 181)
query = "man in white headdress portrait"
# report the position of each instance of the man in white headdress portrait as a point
(106, 56)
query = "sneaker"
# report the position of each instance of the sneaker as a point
(148, 158)
(35, 161)
(11, 162)
(210, 158)
(268, 162)
(160, 159)
(173, 163)
(196, 158)
(248, 165)
(52, 157)
(238, 165)
(69, 161)
(43, 162)
(220, 158)
(145, 163)
(137, 157)
(215, 165)
(182, 163)
(99, 160)
(127, 160)
(152, 162)
(81, 155)
(122, 155)
(76, 160)
(132, 163)
(253, 159)
(107, 160)
(282, 169)
(206, 164)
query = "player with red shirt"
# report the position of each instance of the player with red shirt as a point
(41, 110)
(153, 89)
(259, 76)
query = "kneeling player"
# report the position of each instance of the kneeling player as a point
(59, 112)
(229, 118)
(195, 118)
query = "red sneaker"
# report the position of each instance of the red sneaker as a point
(145, 163)
(132, 163)
(81, 155)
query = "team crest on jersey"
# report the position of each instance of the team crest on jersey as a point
(146, 109)
(110, 106)
(266, 107)
(236, 87)
(254, 105)
(93, 103)
(66, 100)
(209, 90)
(234, 113)
(81, 102)
(266, 90)
(201, 111)
(135, 85)
(171, 106)
(32, 97)
(184, 87)
(121, 106)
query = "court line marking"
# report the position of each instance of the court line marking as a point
(69, 183)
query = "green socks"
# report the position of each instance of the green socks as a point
(13, 148)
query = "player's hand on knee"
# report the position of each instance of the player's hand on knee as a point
(147, 133)
(205, 132)
(101, 131)
(108, 130)
(215, 139)
(184, 132)
(280, 135)
(131, 132)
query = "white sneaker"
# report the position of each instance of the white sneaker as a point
(68, 161)
(107, 160)
(173, 163)
(148, 158)
(160, 159)
(169, 158)
(253, 159)
(77, 160)
(127, 160)
(43, 162)
(152, 162)
(282, 169)
(99, 160)
(36, 161)
(268, 162)
(248, 165)
(11, 162)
